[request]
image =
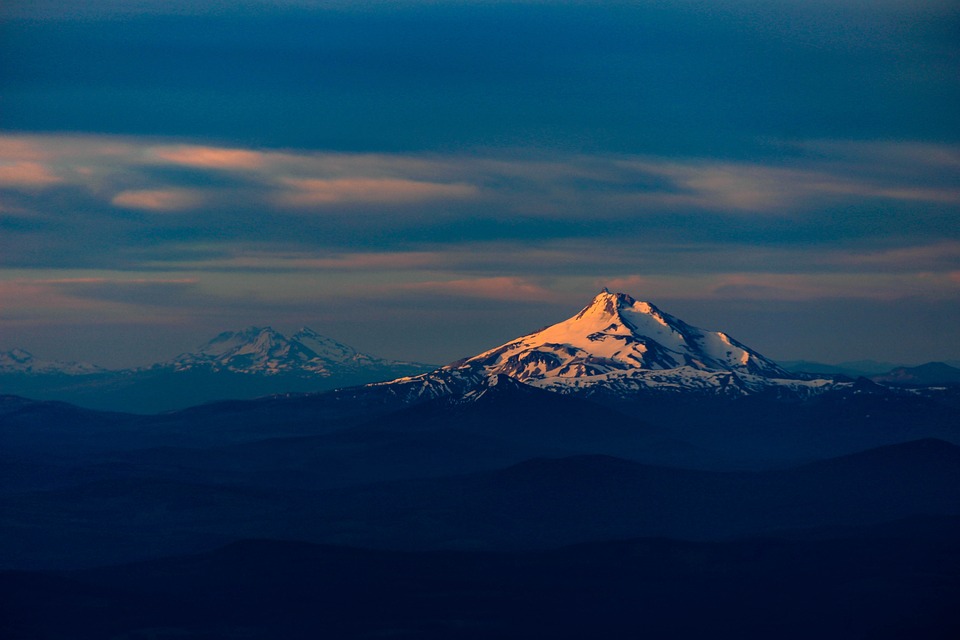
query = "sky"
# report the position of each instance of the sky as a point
(427, 179)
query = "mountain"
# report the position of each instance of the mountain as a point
(932, 373)
(245, 364)
(619, 345)
(852, 369)
(616, 333)
(20, 361)
(265, 351)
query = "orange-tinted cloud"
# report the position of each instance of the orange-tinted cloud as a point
(494, 288)
(22, 148)
(919, 256)
(534, 185)
(265, 260)
(38, 300)
(26, 174)
(306, 192)
(89, 299)
(157, 199)
(210, 157)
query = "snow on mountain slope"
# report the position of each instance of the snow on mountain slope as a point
(621, 345)
(265, 351)
(617, 333)
(333, 351)
(20, 361)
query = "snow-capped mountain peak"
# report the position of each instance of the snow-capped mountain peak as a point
(620, 345)
(615, 332)
(266, 351)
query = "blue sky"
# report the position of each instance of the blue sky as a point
(427, 179)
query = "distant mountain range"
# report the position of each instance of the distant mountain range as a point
(21, 361)
(249, 363)
(860, 368)
(615, 346)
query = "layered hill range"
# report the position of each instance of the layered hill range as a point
(619, 345)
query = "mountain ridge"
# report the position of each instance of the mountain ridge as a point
(931, 373)
(266, 351)
(615, 347)
(234, 365)
(19, 360)
(619, 345)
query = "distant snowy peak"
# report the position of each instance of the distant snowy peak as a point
(254, 349)
(333, 351)
(616, 333)
(20, 361)
(265, 351)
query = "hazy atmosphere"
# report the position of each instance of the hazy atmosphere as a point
(424, 180)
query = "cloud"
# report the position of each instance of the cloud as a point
(313, 192)
(158, 199)
(124, 170)
(756, 188)
(246, 260)
(493, 288)
(838, 286)
(69, 150)
(928, 256)
(83, 298)
(899, 156)
(142, 293)
(131, 172)
(373, 261)
(26, 174)
(31, 304)
(502, 224)
(210, 157)
(766, 286)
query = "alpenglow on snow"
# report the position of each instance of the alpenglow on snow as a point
(617, 344)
